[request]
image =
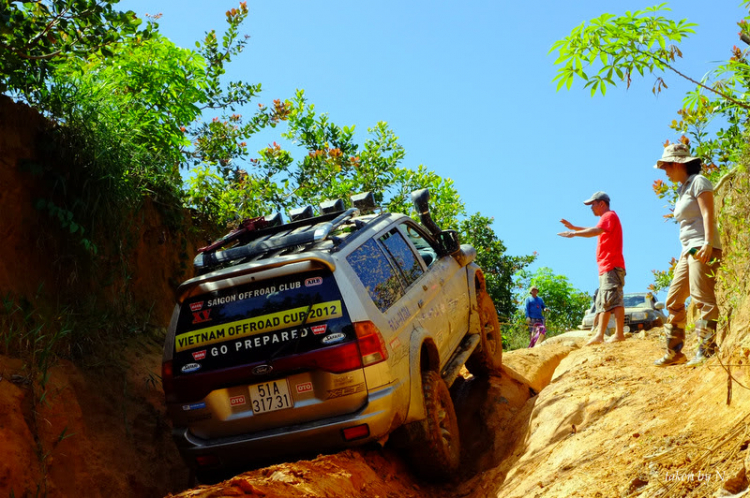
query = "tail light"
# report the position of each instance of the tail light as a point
(336, 359)
(167, 378)
(371, 343)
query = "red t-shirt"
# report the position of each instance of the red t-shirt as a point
(609, 246)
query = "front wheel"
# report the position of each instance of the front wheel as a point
(435, 450)
(488, 358)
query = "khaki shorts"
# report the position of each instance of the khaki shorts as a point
(610, 290)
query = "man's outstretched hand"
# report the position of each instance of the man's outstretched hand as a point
(567, 224)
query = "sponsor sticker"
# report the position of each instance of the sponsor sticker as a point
(311, 282)
(319, 329)
(333, 338)
(237, 400)
(199, 355)
(194, 406)
(304, 387)
(191, 367)
(259, 324)
(201, 316)
(196, 306)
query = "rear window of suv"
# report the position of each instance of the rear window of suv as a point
(260, 321)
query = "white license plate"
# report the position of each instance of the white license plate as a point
(270, 396)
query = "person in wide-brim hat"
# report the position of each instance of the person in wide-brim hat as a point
(694, 275)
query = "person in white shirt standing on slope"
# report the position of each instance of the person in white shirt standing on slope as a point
(695, 272)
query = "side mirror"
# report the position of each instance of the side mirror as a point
(465, 255)
(659, 305)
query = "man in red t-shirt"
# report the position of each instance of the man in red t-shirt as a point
(611, 264)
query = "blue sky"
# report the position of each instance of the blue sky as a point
(467, 87)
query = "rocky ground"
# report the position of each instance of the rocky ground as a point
(604, 423)
(563, 420)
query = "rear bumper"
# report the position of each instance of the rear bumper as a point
(310, 437)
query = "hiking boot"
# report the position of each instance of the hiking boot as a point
(674, 341)
(706, 332)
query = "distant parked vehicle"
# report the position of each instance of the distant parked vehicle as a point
(642, 312)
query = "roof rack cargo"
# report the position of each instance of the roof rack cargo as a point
(297, 233)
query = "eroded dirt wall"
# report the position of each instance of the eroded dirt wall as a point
(35, 256)
(733, 288)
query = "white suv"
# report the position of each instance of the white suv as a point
(327, 332)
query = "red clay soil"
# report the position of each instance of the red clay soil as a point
(98, 432)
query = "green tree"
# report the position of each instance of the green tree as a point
(610, 49)
(326, 163)
(499, 268)
(36, 35)
(136, 114)
(567, 304)
(619, 46)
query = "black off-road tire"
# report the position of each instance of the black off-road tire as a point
(209, 477)
(487, 359)
(435, 449)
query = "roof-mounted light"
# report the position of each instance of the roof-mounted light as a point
(365, 202)
(332, 206)
(299, 214)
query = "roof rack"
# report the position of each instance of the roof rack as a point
(261, 240)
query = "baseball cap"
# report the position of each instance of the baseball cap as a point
(597, 196)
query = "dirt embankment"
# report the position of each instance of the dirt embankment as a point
(96, 427)
(98, 431)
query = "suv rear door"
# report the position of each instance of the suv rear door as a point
(265, 350)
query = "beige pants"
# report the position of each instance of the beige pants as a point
(696, 280)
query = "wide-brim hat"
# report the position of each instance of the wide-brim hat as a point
(675, 153)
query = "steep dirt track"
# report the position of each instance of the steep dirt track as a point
(608, 424)
(486, 409)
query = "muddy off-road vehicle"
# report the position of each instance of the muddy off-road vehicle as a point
(326, 332)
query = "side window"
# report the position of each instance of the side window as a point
(377, 275)
(402, 254)
(426, 251)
